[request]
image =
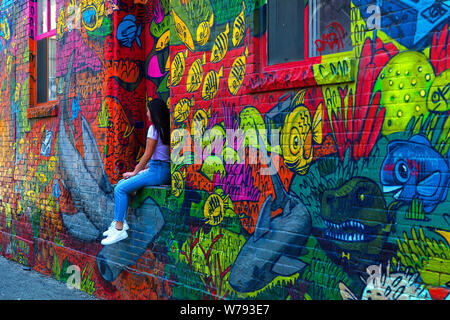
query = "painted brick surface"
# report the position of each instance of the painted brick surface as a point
(318, 179)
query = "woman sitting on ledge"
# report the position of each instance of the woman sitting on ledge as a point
(157, 172)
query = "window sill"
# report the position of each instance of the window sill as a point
(325, 70)
(48, 109)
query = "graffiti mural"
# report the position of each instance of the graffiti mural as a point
(322, 179)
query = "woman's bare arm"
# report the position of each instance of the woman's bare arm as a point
(149, 149)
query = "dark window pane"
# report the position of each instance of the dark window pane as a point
(285, 31)
(41, 71)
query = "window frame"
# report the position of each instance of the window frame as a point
(262, 69)
(51, 32)
(41, 37)
(306, 59)
(47, 108)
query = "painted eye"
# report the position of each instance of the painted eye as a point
(295, 141)
(401, 171)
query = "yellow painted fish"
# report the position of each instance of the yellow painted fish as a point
(239, 27)
(200, 121)
(217, 206)
(298, 134)
(183, 31)
(182, 109)
(211, 84)
(220, 47)
(237, 73)
(9, 64)
(204, 31)
(195, 74)
(167, 66)
(214, 210)
(178, 183)
(61, 25)
(163, 41)
(178, 67)
(5, 31)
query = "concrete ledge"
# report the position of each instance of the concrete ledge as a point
(160, 194)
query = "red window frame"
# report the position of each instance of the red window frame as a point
(307, 60)
(49, 17)
(265, 77)
(42, 36)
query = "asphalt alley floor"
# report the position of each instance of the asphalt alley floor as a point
(17, 283)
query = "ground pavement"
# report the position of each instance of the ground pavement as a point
(18, 283)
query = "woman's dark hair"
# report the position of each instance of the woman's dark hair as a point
(160, 119)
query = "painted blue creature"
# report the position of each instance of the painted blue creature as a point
(413, 169)
(128, 31)
(76, 107)
(411, 22)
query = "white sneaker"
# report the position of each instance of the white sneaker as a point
(113, 226)
(115, 236)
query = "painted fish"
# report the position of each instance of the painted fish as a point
(5, 31)
(204, 31)
(298, 134)
(182, 109)
(415, 170)
(237, 73)
(211, 84)
(61, 25)
(163, 41)
(183, 31)
(154, 69)
(92, 13)
(200, 122)
(178, 68)
(177, 183)
(220, 46)
(128, 31)
(75, 107)
(239, 27)
(195, 74)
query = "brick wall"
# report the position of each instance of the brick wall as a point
(313, 179)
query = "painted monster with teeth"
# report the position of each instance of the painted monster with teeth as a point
(355, 223)
(413, 169)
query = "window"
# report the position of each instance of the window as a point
(285, 31)
(303, 29)
(46, 51)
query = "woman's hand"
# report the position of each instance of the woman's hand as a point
(149, 148)
(127, 175)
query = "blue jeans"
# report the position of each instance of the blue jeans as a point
(157, 173)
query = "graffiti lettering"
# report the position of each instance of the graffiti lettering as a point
(333, 39)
